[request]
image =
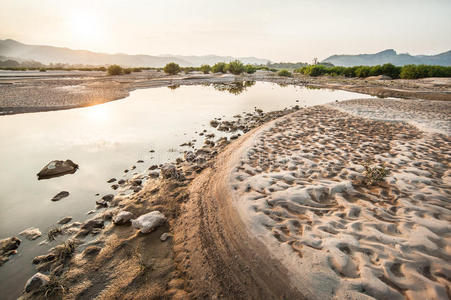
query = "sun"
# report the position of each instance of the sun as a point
(85, 27)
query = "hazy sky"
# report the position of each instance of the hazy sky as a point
(284, 30)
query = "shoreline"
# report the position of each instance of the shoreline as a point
(210, 252)
(81, 90)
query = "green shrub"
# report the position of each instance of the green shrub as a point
(127, 71)
(135, 70)
(284, 73)
(42, 70)
(115, 70)
(235, 67)
(219, 67)
(171, 68)
(390, 70)
(250, 69)
(205, 69)
(362, 71)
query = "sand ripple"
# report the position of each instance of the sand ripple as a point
(300, 189)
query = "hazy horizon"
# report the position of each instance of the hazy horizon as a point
(292, 31)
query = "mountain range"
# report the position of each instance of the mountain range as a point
(389, 56)
(12, 49)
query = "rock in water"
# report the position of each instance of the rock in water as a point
(57, 168)
(35, 282)
(148, 222)
(8, 247)
(60, 196)
(108, 197)
(31, 233)
(164, 237)
(65, 220)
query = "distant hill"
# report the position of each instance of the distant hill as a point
(49, 54)
(389, 56)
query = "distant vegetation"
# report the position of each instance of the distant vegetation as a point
(205, 69)
(404, 72)
(285, 65)
(235, 67)
(250, 69)
(219, 67)
(115, 70)
(172, 68)
(284, 73)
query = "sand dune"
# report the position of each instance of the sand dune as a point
(299, 188)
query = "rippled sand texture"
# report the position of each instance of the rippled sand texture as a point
(300, 189)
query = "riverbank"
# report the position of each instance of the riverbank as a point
(21, 93)
(267, 214)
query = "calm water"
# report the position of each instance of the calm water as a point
(104, 140)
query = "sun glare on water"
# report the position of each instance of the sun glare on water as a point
(97, 113)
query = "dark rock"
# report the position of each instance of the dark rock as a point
(91, 224)
(60, 196)
(65, 220)
(137, 182)
(108, 197)
(115, 186)
(8, 247)
(122, 181)
(57, 168)
(101, 202)
(111, 180)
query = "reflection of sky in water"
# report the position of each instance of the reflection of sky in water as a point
(104, 140)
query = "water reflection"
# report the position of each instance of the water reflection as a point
(235, 88)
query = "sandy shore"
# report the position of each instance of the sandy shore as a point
(282, 212)
(21, 93)
(299, 189)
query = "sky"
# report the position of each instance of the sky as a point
(283, 30)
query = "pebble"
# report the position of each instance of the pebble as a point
(60, 196)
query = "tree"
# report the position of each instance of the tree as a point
(205, 69)
(235, 67)
(250, 69)
(219, 67)
(171, 68)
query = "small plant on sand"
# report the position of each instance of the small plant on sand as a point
(205, 69)
(54, 289)
(374, 174)
(65, 250)
(127, 71)
(284, 73)
(171, 68)
(53, 233)
(115, 70)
